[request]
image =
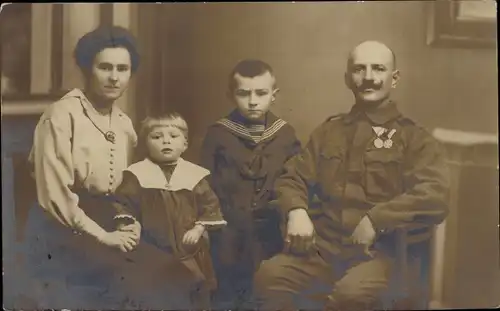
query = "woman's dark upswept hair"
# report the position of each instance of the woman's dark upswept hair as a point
(101, 38)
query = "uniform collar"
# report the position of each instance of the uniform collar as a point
(378, 116)
(186, 175)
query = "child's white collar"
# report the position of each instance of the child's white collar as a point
(186, 175)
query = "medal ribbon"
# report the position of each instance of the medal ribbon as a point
(380, 132)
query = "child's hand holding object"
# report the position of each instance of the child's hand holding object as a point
(193, 236)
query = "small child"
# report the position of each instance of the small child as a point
(245, 152)
(171, 267)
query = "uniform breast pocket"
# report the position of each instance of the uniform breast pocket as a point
(329, 168)
(383, 172)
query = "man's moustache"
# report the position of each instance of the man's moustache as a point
(369, 86)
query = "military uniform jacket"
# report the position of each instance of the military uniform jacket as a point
(243, 171)
(346, 174)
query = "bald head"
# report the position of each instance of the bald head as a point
(373, 50)
(371, 72)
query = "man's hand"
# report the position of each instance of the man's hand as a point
(364, 234)
(300, 232)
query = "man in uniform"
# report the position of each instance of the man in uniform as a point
(366, 173)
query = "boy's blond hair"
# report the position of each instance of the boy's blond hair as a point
(167, 119)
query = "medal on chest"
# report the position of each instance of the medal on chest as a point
(378, 143)
(384, 137)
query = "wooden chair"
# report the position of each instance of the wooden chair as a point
(410, 288)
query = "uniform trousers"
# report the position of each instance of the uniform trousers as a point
(354, 282)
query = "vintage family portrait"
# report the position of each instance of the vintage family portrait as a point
(337, 156)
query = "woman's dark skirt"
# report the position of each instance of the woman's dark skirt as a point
(69, 270)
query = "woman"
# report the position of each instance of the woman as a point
(82, 143)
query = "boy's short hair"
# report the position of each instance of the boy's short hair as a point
(166, 119)
(249, 68)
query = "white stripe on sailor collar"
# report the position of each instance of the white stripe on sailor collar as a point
(242, 130)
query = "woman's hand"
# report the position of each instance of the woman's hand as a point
(125, 241)
(134, 228)
(193, 236)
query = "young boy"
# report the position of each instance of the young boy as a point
(174, 204)
(245, 152)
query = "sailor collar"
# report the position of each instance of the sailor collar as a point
(234, 124)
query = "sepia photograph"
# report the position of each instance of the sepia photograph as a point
(331, 156)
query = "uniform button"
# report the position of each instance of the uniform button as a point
(111, 162)
(258, 190)
(254, 204)
(112, 155)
